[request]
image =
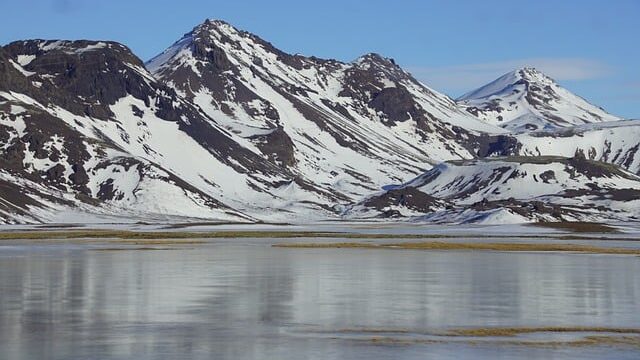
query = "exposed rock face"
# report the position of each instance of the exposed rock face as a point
(72, 70)
(405, 198)
(277, 146)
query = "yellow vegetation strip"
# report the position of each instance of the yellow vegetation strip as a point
(439, 245)
(514, 331)
(68, 234)
(594, 336)
(587, 341)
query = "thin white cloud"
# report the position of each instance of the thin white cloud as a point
(459, 79)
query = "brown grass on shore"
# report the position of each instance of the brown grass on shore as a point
(124, 234)
(68, 234)
(587, 341)
(158, 242)
(133, 249)
(438, 245)
(595, 336)
(578, 227)
(514, 331)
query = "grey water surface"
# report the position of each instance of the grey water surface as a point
(247, 300)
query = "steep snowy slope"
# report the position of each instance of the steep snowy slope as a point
(512, 189)
(87, 119)
(526, 99)
(351, 127)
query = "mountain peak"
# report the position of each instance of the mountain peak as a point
(526, 99)
(533, 75)
(529, 70)
(202, 41)
(210, 25)
(376, 59)
(215, 22)
(506, 83)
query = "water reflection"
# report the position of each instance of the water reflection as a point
(256, 302)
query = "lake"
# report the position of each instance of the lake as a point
(244, 299)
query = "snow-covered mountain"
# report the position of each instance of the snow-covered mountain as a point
(86, 126)
(526, 100)
(351, 127)
(273, 152)
(224, 126)
(513, 189)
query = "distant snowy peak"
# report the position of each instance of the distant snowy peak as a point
(505, 84)
(528, 100)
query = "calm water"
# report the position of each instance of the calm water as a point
(251, 301)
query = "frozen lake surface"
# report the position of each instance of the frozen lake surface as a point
(243, 299)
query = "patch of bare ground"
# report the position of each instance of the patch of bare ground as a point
(579, 227)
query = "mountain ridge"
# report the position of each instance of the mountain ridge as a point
(226, 126)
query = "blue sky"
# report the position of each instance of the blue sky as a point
(590, 47)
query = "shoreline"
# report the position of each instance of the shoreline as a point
(451, 246)
(141, 240)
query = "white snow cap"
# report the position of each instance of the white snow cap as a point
(526, 99)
